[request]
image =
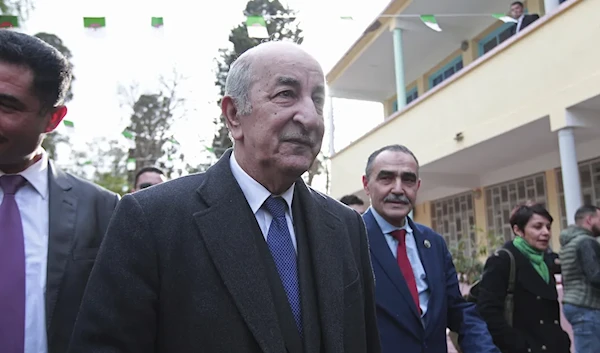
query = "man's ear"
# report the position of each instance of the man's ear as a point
(57, 115)
(230, 112)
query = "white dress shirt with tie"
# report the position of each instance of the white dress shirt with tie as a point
(413, 256)
(32, 200)
(256, 195)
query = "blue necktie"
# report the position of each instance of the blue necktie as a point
(282, 249)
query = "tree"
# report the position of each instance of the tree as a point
(318, 167)
(20, 8)
(280, 29)
(152, 116)
(54, 138)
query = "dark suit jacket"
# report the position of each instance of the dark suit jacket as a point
(536, 317)
(401, 328)
(180, 271)
(527, 20)
(79, 215)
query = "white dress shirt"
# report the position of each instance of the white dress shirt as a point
(519, 23)
(256, 195)
(413, 256)
(32, 200)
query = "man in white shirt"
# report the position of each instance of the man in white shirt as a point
(51, 223)
(517, 12)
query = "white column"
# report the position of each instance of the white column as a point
(331, 127)
(550, 6)
(570, 172)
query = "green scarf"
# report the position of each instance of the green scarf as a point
(535, 256)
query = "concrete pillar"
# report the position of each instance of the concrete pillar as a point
(570, 172)
(550, 6)
(331, 127)
(399, 66)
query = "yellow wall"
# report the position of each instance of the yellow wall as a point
(502, 105)
(553, 207)
(422, 213)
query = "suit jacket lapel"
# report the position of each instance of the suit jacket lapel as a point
(430, 263)
(226, 223)
(62, 220)
(382, 254)
(328, 267)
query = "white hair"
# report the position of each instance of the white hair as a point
(239, 82)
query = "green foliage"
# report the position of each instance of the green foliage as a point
(151, 120)
(114, 183)
(20, 8)
(278, 28)
(469, 266)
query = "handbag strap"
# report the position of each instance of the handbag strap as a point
(509, 300)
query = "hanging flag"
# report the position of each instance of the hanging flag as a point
(257, 27)
(504, 18)
(209, 149)
(130, 163)
(157, 22)
(349, 18)
(128, 134)
(94, 22)
(69, 125)
(88, 162)
(173, 141)
(429, 21)
(9, 21)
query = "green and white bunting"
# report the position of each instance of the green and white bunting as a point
(430, 21)
(157, 22)
(257, 27)
(9, 21)
(504, 18)
(94, 22)
(131, 164)
(69, 125)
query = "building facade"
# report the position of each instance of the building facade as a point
(495, 118)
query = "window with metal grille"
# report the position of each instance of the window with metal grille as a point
(589, 176)
(500, 200)
(454, 219)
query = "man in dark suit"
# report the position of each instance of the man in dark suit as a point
(244, 258)
(51, 223)
(417, 289)
(523, 20)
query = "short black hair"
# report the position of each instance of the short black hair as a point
(146, 170)
(52, 72)
(351, 200)
(585, 211)
(517, 3)
(521, 214)
(393, 148)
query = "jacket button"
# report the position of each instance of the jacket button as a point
(556, 322)
(529, 350)
(538, 298)
(543, 348)
(541, 322)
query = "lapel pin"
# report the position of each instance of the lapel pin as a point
(427, 244)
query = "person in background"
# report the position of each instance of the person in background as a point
(535, 325)
(417, 290)
(51, 222)
(580, 258)
(354, 202)
(245, 258)
(147, 177)
(517, 12)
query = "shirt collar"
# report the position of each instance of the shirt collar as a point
(255, 193)
(37, 175)
(386, 227)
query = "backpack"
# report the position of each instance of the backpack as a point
(509, 304)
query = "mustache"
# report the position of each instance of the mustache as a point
(397, 198)
(299, 137)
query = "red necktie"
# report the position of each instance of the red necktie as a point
(405, 267)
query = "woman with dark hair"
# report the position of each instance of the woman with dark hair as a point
(533, 324)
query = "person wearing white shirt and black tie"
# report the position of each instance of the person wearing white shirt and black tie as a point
(51, 223)
(523, 20)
